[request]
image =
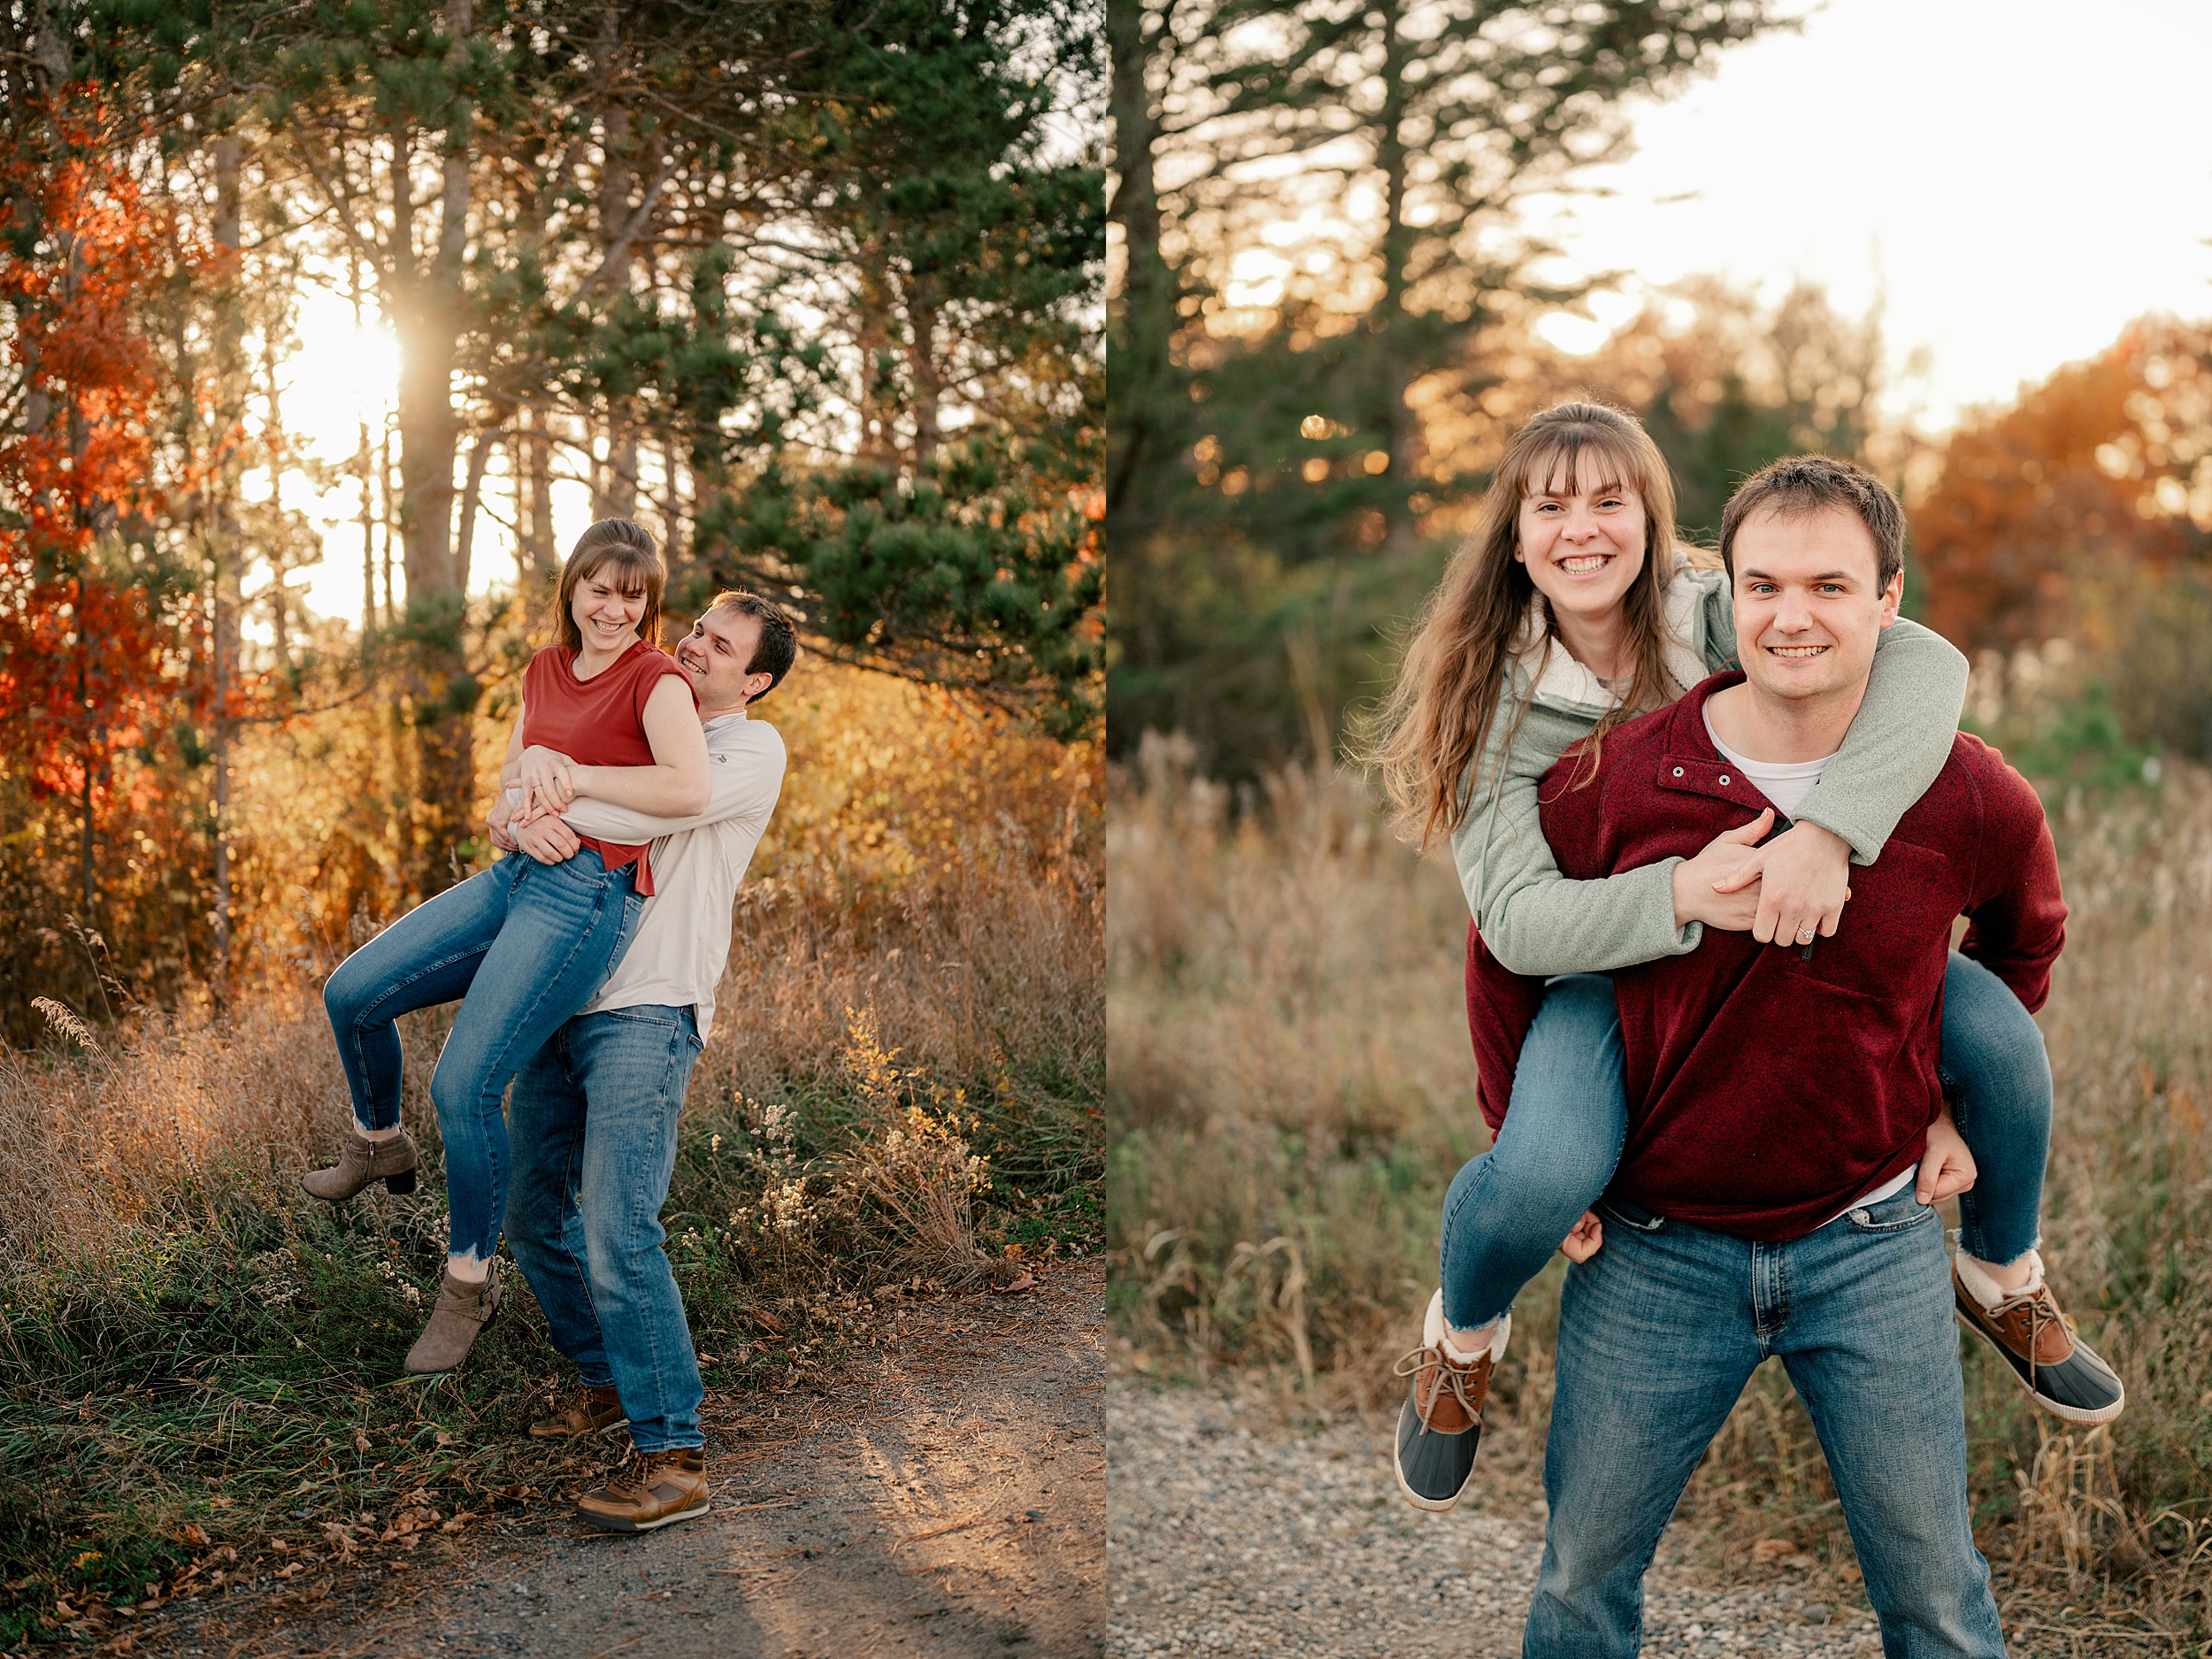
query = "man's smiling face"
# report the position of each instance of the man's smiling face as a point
(1809, 606)
(717, 658)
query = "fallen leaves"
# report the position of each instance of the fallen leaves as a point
(1781, 1552)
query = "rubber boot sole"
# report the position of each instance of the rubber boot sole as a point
(623, 1524)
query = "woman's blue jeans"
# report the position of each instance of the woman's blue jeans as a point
(1507, 1210)
(595, 1120)
(523, 946)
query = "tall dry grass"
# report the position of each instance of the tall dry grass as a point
(1291, 1089)
(901, 1084)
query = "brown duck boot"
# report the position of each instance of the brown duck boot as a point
(2061, 1372)
(391, 1161)
(1440, 1423)
(462, 1312)
(652, 1489)
(586, 1411)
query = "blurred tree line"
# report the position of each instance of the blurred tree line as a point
(1326, 316)
(809, 290)
(1283, 455)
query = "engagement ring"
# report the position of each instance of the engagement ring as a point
(1804, 933)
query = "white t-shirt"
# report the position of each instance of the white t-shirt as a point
(1786, 784)
(683, 935)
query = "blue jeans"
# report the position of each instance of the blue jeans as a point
(522, 946)
(1506, 1211)
(1658, 1333)
(595, 1116)
(1999, 1081)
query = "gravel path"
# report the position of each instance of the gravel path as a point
(1223, 1541)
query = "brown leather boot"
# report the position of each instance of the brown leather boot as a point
(652, 1489)
(1442, 1422)
(362, 1161)
(461, 1311)
(586, 1411)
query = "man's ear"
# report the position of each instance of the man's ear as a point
(1892, 597)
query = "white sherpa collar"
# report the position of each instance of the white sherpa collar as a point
(1561, 682)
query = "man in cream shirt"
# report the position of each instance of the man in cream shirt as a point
(592, 1115)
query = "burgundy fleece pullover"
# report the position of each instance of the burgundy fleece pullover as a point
(1767, 1090)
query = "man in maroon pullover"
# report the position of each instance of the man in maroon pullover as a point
(1779, 1102)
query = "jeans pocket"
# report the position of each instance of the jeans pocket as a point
(1630, 1215)
(1894, 1214)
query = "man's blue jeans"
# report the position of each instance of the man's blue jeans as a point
(1658, 1333)
(521, 946)
(595, 1122)
(1507, 1210)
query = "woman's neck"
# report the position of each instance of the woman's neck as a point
(592, 662)
(1601, 644)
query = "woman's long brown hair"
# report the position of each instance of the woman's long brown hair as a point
(1438, 716)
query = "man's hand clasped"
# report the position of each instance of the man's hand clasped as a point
(546, 838)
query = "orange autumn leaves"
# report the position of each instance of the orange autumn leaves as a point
(2106, 467)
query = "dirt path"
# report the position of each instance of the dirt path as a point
(947, 1498)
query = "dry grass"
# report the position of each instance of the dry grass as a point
(902, 1086)
(1291, 1090)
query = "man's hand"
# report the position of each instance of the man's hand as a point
(549, 840)
(1805, 878)
(1581, 1244)
(501, 811)
(1698, 897)
(548, 780)
(1947, 1167)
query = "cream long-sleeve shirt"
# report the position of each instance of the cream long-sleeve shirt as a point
(683, 938)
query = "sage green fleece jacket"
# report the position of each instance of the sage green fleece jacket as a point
(1536, 921)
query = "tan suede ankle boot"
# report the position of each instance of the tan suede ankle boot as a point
(463, 1309)
(391, 1161)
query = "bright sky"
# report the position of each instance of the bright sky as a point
(2019, 181)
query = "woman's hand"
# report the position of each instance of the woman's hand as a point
(547, 779)
(1699, 895)
(1581, 1244)
(1804, 877)
(1947, 1167)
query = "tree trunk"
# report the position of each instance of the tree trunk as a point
(428, 314)
(1144, 313)
(923, 369)
(1394, 419)
(618, 181)
(223, 583)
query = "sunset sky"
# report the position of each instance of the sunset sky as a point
(2019, 181)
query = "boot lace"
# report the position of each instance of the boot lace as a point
(1454, 1376)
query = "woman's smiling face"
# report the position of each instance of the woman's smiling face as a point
(1584, 547)
(605, 614)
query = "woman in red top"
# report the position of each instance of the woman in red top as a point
(524, 945)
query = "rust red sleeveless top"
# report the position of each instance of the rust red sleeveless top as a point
(597, 722)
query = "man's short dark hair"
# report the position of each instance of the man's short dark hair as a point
(779, 646)
(1807, 484)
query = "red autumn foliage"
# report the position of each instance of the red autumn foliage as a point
(2107, 465)
(88, 666)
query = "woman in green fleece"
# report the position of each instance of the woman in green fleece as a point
(1571, 609)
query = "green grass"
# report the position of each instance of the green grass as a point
(234, 1366)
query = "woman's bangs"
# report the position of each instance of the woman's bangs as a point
(1570, 462)
(632, 573)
